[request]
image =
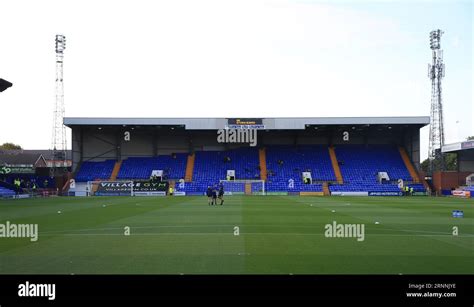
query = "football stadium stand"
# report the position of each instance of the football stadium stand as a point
(4, 192)
(44, 182)
(211, 166)
(173, 166)
(470, 189)
(417, 187)
(287, 147)
(360, 164)
(286, 162)
(95, 170)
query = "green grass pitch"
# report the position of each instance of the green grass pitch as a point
(278, 235)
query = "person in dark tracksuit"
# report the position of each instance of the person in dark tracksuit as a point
(214, 195)
(221, 194)
(209, 195)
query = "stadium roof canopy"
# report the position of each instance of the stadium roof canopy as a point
(279, 123)
(460, 146)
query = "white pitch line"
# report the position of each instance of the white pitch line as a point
(59, 232)
(173, 226)
(255, 233)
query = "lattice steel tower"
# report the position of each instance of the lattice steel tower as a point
(436, 74)
(58, 143)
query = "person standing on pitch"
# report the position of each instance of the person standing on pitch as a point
(209, 195)
(214, 195)
(221, 193)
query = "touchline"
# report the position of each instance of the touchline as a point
(12, 230)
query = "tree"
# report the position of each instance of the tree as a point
(10, 146)
(425, 165)
(470, 138)
(450, 163)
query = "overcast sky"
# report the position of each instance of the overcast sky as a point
(232, 59)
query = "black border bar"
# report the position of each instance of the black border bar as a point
(139, 289)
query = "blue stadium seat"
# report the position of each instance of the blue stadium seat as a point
(210, 167)
(470, 189)
(174, 167)
(417, 187)
(4, 192)
(41, 181)
(360, 164)
(286, 162)
(90, 171)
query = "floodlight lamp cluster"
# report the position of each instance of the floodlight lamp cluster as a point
(435, 38)
(60, 43)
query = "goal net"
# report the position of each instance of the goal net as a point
(109, 188)
(245, 187)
